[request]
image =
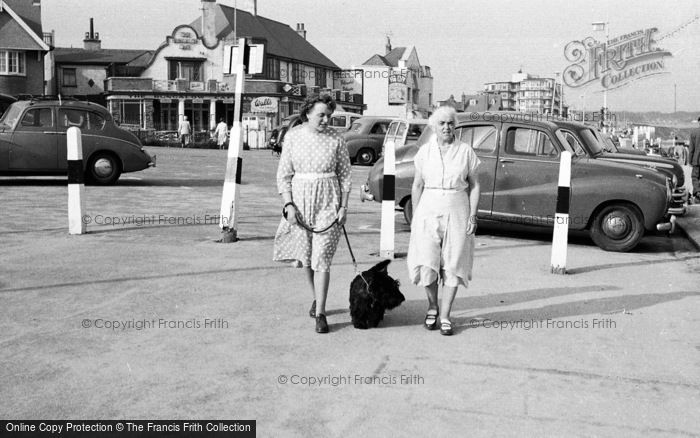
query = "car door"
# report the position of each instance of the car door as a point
(34, 144)
(527, 174)
(68, 117)
(483, 138)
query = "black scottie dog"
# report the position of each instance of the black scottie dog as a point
(371, 293)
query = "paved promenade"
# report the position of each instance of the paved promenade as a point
(151, 318)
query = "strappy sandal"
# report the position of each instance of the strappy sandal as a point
(446, 327)
(431, 319)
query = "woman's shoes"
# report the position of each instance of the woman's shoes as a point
(312, 310)
(431, 318)
(321, 324)
(446, 327)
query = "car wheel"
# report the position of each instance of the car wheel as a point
(617, 227)
(103, 169)
(408, 211)
(365, 156)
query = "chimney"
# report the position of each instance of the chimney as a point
(388, 45)
(209, 23)
(300, 30)
(255, 9)
(92, 38)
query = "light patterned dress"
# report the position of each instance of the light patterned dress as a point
(440, 247)
(315, 167)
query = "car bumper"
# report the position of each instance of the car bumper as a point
(365, 194)
(669, 226)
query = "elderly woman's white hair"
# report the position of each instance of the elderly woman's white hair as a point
(441, 112)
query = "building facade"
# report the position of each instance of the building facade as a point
(191, 74)
(22, 48)
(396, 84)
(474, 102)
(529, 93)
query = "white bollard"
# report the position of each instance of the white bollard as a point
(386, 236)
(560, 236)
(228, 218)
(76, 181)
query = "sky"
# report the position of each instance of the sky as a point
(465, 43)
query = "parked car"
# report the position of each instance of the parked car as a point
(670, 167)
(366, 137)
(33, 141)
(405, 131)
(616, 202)
(5, 101)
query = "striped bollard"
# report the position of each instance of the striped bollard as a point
(228, 218)
(386, 237)
(76, 182)
(561, 217)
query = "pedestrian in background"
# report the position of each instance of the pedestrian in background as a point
(220, 133)
(313, 178)
(694, 159)
(445, 196)
(185, 130)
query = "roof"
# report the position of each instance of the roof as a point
(136, 58)
(281, 40)
(391, 59)
(18, 33)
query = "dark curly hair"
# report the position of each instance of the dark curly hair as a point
(311, 101)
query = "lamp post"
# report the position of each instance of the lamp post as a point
(598, 26)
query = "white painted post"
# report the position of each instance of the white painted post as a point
(228, 219)
(561, 216)
(386, 236)
(212, 114)
(76, 182)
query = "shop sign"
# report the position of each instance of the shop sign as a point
(196, 86)
(398, 90)
(185, 36)
(615, 62)
(264, 104)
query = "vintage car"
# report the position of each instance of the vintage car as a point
(668, 166)
(616, 202)
(365, 138)
(33, 140)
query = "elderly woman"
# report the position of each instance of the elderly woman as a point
(445, 195)
(313, 178)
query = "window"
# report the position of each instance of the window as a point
(38, 118)
(12, 63)
(69, 77)
(571, 143)
(71, 117)
(272, 68)
(184, 69)
(415, 130)
(523, 141)
(320, 77)
(95, 122)
(296, 74)
(480, 138)
(338, 121)
(379, 128)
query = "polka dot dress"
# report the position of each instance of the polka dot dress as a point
(315, 167)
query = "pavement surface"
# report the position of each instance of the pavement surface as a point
(147, 317)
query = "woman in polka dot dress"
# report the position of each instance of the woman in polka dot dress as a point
(314, 180)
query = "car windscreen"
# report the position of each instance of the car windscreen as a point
(591, 142)
(10, 117)
(355, 127)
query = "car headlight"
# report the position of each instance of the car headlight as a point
(669, 191)
(674, 180)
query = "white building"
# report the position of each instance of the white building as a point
(396, 84)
